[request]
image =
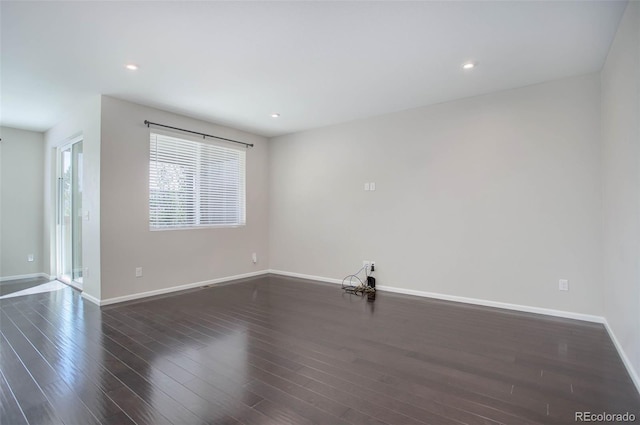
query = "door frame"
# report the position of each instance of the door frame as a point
(68, 144)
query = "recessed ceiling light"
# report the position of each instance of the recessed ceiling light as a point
(131, 67)
(469, 65)
(275, 115)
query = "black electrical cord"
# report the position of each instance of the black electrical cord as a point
(361, 287)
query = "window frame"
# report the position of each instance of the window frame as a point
(197, 210)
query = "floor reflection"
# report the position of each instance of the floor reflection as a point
(71, 332)
(54, 285)
(280, 350)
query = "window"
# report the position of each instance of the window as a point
(195, 184)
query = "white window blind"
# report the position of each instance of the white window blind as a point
(195, 184)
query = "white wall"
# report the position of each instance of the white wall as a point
(21, 213)
(84, 121)
(494, 197)
(621, 182)
(173, 257)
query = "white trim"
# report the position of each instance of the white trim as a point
(139, 295)
(496, 304)
(466, 300)
(90, 298)
(25, 276)
(68, 141)
(632, 371)
(306, 276)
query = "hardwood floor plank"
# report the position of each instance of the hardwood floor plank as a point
(42, 414)
(281, 414)
(78, 373)
(127, 398)
(238, 408)
(274, 350)
(62, 397)
(97, 376)
(300, 407)
(32, 400)
(349, 367)
(10, 411)
(540, 406)
(267, 362)
(131, 370)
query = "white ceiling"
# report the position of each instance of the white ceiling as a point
(316, 63)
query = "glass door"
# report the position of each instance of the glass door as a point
(70, 215)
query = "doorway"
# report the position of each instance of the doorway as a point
(69, 232)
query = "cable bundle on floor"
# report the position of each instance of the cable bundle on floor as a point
(352, 284)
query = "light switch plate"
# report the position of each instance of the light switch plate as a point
(563, 285)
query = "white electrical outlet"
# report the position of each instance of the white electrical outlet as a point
(373, 264)
(30, 257)
(563, 285)
(366, 263)
(254, 258)
(366, 186)
(372, 186)
(138, 271)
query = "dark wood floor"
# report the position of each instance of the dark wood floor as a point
(275, 350)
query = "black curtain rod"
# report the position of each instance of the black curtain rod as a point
(148, 123)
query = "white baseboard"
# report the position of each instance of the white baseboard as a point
(455, 298)
(25, 276)
(306, 276)
(91, 298)
(632, 371)
(162, 291)
(496, 304)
